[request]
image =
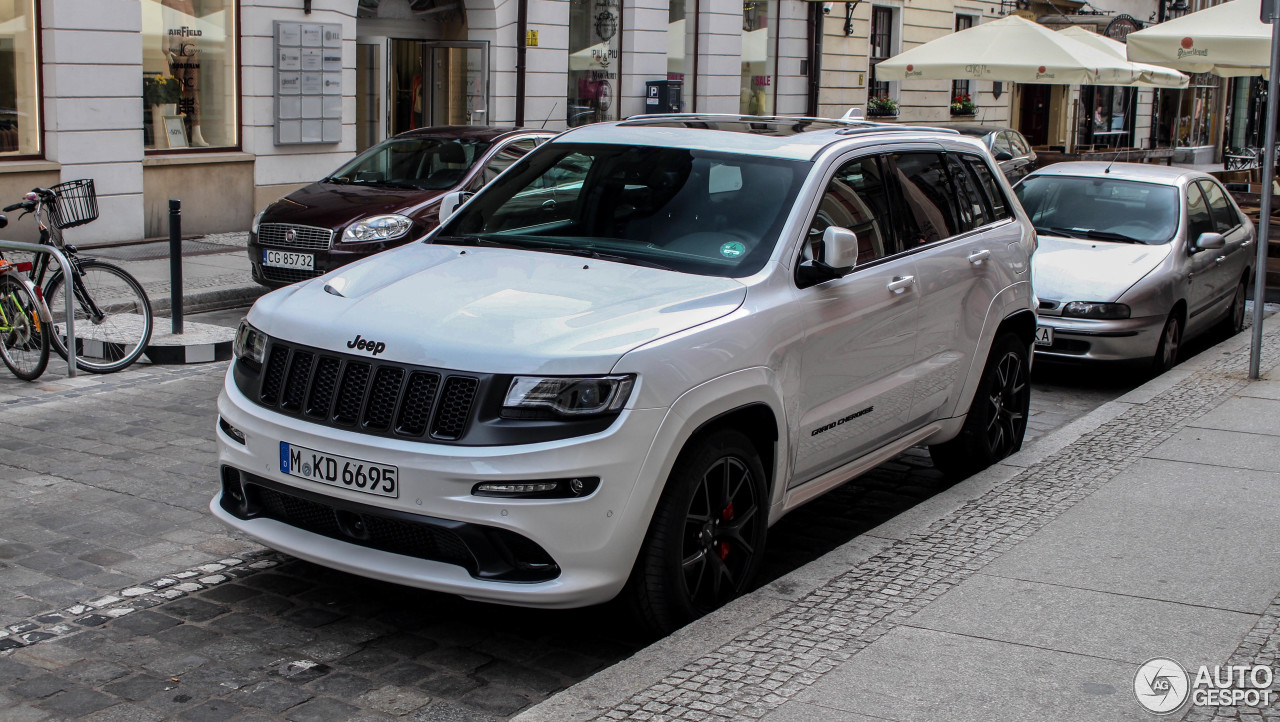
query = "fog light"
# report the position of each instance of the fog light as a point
(539, 488)
(236, 434)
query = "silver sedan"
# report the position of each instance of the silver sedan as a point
(1133, 259)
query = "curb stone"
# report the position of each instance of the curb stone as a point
(832, 608)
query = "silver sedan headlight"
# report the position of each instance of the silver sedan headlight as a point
(1089, 309)
(384, 227)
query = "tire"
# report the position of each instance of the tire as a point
(997, 418)
(707, 536)
(24, 338)
(1233, 322)
(116, 339)
(1170, 341)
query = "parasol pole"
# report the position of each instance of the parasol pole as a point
(1269, 13)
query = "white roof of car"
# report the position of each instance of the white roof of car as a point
(778, 137)
(1147, 172)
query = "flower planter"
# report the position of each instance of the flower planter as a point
(881, 113)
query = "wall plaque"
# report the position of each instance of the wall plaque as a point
(308, 83)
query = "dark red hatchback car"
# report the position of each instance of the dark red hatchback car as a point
(385, 197)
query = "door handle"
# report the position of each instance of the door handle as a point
(900, 284)
(977, 257)
(1219, 259)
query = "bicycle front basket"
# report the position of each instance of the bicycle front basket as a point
(77, 203)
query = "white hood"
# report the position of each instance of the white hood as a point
(1073, 269)
(490, 310)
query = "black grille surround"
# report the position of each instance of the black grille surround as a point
(485, 552)
(363, 394)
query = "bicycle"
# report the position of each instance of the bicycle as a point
(24, 321)
(113, 318)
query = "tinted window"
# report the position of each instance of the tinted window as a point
(507, 155)
(856, 199)
(971, 207)
(1199, 220)
(1000, 143)
(925, 189)
(712, 213)
(987, 183)
(423, 163)
(1225, 217)
(1019, 143)
(1100, 208)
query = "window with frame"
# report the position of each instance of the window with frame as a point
(1199, 218)
(881, 48)
(1225, 217)
(682, 48)
(190, 74)
(971, 205)
(960, 89)
(857, 199)
(19, 79)
(595, 57)
(506, 155)
(926, 188)
(759, 37)
(987, 182)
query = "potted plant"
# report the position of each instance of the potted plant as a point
(963, 105)
(882, 106)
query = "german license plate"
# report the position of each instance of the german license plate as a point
(1044, 335)
(287, 259)
(341, 471)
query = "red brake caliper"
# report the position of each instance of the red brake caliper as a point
(727, 515)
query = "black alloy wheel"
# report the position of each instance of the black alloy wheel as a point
(707, 535)
(1008, 398)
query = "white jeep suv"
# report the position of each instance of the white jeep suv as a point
(619, 363)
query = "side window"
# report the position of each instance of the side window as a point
(1198, 218)
(1001, 144)
(506, 155)
(1225, 217)
(925, 191)
(987, 182)
(970, 205)
(1019, 144)
(856, 199)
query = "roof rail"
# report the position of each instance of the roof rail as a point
(737, 118)
(866, 126)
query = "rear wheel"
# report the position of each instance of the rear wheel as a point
(1170, 340)
(24, 338)
(707, 535)
(1233, 322)
(997, 418)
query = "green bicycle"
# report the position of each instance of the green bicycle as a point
(24, 323)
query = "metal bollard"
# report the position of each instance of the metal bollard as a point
(175, 263)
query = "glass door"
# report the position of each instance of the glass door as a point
(436, 82)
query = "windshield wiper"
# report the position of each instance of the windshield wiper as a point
(388, 184)
(597, 255)
(1111, 236)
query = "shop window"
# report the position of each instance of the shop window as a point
(759, 39)
(189, 74)
(1189, 117)
(1109, 119)
(595, 56)
(682, 48)
(19, 86)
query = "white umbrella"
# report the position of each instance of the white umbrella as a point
(1227, 40)
(1014, 49)
(1152, 76)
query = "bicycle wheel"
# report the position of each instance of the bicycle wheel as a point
(24, 339)
(112, 314)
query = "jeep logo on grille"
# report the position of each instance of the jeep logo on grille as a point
(290, 236)
(359, 344)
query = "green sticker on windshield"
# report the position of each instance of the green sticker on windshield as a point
(732, 249)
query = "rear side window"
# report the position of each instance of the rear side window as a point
(1225, 218)
(1000, 143)
(987, 184)
(1198, 216)
(856, 199)
(925, 190)
(971, 208)
(1019, 144)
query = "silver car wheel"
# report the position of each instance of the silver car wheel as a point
(1167, 351)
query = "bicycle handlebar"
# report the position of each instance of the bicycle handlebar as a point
(18, 207)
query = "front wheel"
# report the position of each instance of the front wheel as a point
(997, 418)
(707, 536)
(112, 316)
(24, 338)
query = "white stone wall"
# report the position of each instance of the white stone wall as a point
(93, 107)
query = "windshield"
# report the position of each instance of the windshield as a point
(710, 213)
(1103, 208)
(421, 163)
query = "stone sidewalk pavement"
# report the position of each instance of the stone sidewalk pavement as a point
(1035, 590)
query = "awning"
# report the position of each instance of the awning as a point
(1227, 40)
(1153, 76)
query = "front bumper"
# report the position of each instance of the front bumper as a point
(592, 540)
(1081, 339)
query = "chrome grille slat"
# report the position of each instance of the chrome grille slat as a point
(306, 237)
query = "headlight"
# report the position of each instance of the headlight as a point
(1088, 309)
(377, 228)
(533, 397)
(257, 220)
(250, 343)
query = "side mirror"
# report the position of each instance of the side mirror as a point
(1004, 155)
(1209, 242)
(839, 255)
(451, 203)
